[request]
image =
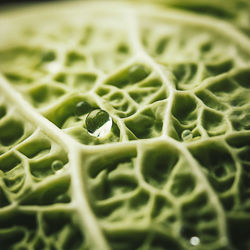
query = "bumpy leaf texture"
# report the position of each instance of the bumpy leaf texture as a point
(173, 171)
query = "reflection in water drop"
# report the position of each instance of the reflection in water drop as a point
(194, 241)
(98, 123)
(186, 135)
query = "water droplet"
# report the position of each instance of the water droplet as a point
(56, 165)
(137, 73)
(186, 135)
(82, 108)
(98, 123)
(194, 241)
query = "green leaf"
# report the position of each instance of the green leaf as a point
(125, 125)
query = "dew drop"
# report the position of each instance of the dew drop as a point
(98, 123)
(194, 241)
(137, 73)
(186, 135)
(56, 165)
(82, 108)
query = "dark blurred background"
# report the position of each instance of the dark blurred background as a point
(22, 1)
(19, 2)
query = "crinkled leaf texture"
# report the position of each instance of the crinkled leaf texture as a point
(174, 170)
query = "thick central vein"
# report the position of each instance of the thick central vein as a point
(88, 219)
